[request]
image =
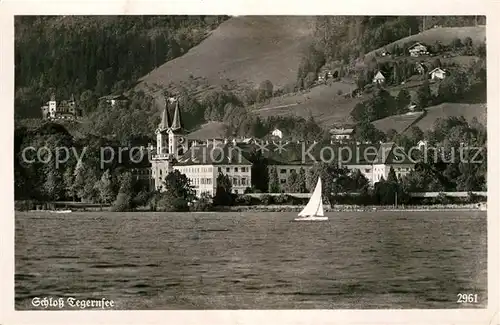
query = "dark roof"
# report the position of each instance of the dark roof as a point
(293, 153)
(176, 122)
(115, 97)
(219, 154)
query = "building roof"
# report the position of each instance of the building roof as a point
(165, 119)
(213, 154)
(342, 131)
(115, 97)
(415, 45)
(293, 153)
(379, 75)
(176, 122)
(437, 69)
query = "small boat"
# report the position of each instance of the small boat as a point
(63, 211)
(313, 211)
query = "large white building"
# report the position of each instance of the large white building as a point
(201, 161)
(374, 161)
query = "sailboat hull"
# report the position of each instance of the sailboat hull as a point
(311, 218)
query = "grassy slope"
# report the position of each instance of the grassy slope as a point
(403, 122)
(444, 110)
(328, 108)
(397, 122)
(322, 102)
(444, 35)
(210, 130)
(243, 49)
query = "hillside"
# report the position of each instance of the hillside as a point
(425, 120)
(468, 111)
(326, 103)
(444, 35)
(245, 50)
(400, 123)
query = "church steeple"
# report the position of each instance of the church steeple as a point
(165, 118)
(176, 123)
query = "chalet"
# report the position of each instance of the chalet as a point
(422, 144)
(379, 78)
(417, 49)
(437, 73)
(341, 134)
(412, 107)
(114, 99)
(385, 53)
(277, 133)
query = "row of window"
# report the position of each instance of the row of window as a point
(201, 181)
(236, 169)
(199, 169)
(208, 181)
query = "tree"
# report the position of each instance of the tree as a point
(105, 188)
(301, 180)
(456, 43)
(223, 195)
(177, 194)
(424, 95)
(266, 88)
(292, 183)
(333, 179)
(359, 182)
(402, 101)
(367, 132)
(274, 185)
(416, 134)
(124, 199)
(391, 134)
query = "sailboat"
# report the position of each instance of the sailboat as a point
(313, 211)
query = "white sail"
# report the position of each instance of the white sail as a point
(315, 205)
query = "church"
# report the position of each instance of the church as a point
(201, 160)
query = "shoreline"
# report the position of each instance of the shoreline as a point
(289, 208)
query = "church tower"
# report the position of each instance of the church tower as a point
(52, 106)
(161, 163)
(177, 144)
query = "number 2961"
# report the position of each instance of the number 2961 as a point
(466, 298)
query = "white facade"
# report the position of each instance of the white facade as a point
(379, 78)
(284, 171)
(418, 49)
(437, 74)
(204, 177)
(277, 133)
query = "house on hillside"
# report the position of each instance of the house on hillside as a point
(422, 144)
(379, 78)
(420, 68)
(412, 107)
(114, 99)
(63, 110)
(437, 73)
(417, 49)
(277, 133)
(385, 53)
(339, 134)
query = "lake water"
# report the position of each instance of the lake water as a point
(253, 260)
